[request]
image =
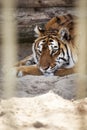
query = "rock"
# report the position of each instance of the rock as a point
(30, 86)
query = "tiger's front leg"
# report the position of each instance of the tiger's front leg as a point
(65, 71)
(28, 70)
(34, 70)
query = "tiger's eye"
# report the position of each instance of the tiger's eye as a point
(44, 41)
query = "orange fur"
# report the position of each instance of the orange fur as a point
(33, 70)
(52, 30)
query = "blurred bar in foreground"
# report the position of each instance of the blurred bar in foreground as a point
(82, 64)
(9, 46)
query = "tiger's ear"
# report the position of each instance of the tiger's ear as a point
(39, 31)
(64, 34)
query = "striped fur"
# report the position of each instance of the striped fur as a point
(55, 47)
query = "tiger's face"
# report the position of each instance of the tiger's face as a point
(50, 52)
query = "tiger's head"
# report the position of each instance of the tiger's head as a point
(51, 50)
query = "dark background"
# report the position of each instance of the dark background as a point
(29, 13)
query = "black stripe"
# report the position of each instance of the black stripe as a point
(72, 57)
(67, 52)
(70, 16)
(58, 20)
(70, 24)
(63, 52)
(62, 24)
(65, 16)
(63, 59)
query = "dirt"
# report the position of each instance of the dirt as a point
(45, 112)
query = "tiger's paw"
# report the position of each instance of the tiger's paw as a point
(21, 71)
(20, 74)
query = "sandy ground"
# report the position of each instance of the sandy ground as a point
(45, 112)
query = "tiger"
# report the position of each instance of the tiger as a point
(55, 51)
